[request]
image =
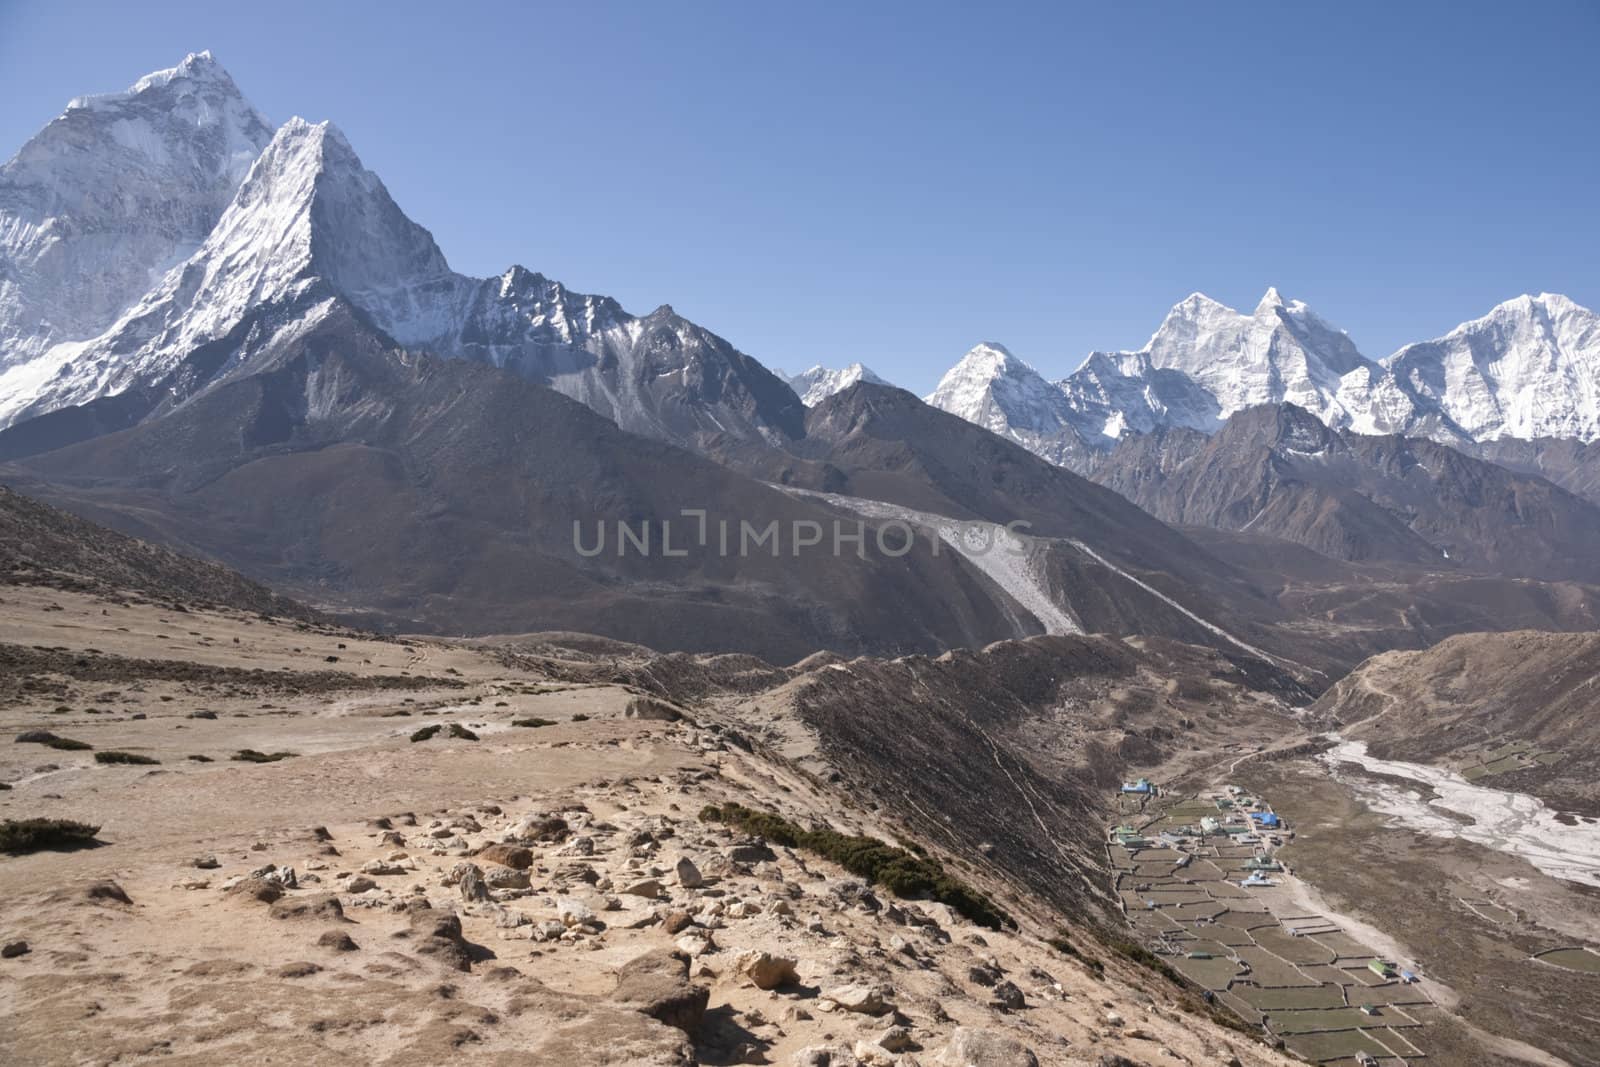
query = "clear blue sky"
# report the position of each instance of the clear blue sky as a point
(820, 183)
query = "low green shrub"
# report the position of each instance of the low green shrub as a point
(427, 732)
(1062, 945)
(250, 755)
(901, 872)
(535, 721)
(31, 835)
(457, 730)
(38, 737)
(1145, 958)
(67, 744)
(113, 756)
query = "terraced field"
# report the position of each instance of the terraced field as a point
(1179, 865)
(1505, 758)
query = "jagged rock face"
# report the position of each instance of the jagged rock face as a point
(254, 255)
(1280, 471)
(659, 375)
(112, 193)
(1573, 465)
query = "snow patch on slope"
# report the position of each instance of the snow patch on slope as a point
(1010, 560)
(1164, 598)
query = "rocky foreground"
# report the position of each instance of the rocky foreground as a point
(547, 893)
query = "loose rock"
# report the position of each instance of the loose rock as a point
(971, 1047)
(765, 970)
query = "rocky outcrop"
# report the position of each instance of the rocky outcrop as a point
(657, 984)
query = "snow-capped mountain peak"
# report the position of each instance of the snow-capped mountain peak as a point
(817, 384)
(1530, 368)
(1271, 299)
(305, 225)
(111, 194)
(994, 389)
(1281, 352)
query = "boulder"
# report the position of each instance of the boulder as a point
(647, 887)
(251, 887)
(471, 884)
(689, 875)
(322, 906)
(360, 884)
(896, 1039)
(984, 974)
(498, 877)
(651, 709)
(517, 857)
(338, 941)
(383, 868)
(453, 875)
(539, 828)
(657, 984)
(284, 876)
(438, 934)
(574, 912)
(696, 943)
(972, 1047)
(765, 970)
(860, 997)
(869, 1054)
(1009, 996)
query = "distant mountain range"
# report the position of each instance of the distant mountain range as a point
(230, 338)
(294, 381)
(1529, 369)
(1279, 470)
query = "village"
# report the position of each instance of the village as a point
(1202, 884)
